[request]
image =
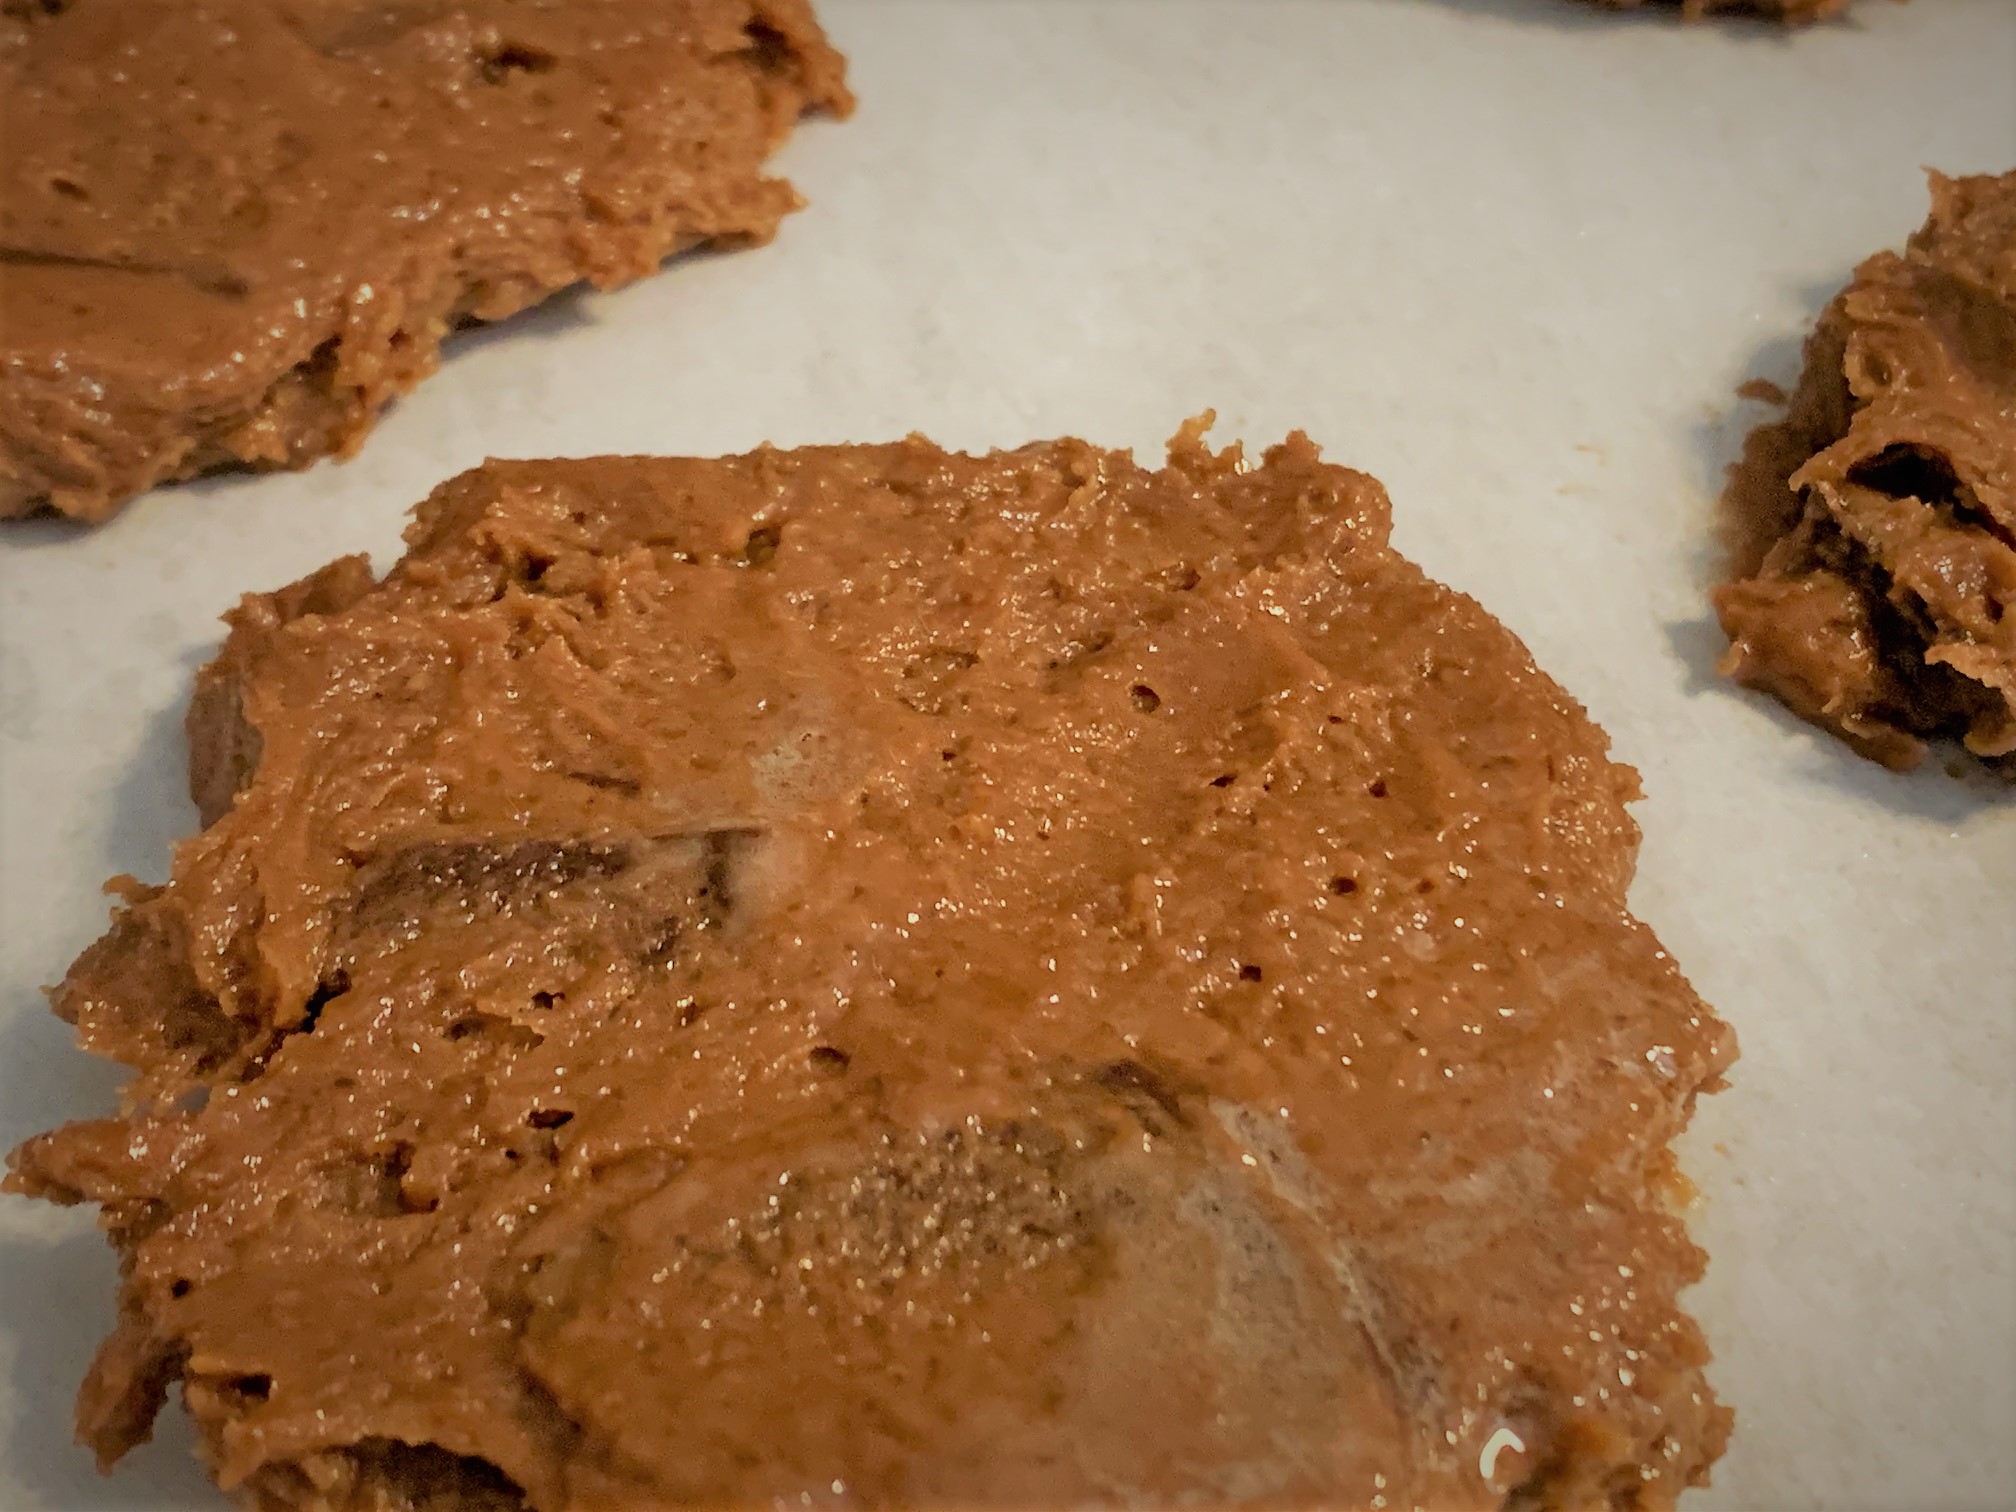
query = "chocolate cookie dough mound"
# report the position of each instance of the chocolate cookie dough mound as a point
(1793, 12)
(231, 231)
(1875, 571)
(871, 976)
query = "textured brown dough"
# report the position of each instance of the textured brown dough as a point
(868, 976)
(1792, 12)
(232, 231)
(1874, 526)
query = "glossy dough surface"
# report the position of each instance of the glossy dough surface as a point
(232, 231)
(872, 976)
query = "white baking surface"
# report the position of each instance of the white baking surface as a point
(1510, 256)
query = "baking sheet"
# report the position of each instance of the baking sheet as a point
(1510, 256)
